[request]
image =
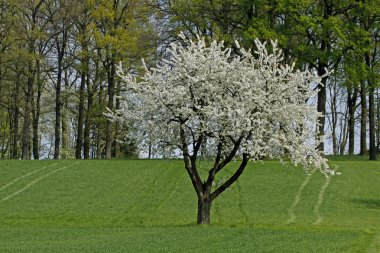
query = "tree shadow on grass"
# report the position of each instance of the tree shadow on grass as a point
(368, 203)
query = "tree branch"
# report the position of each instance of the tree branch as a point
(197, 145)
(190, 165)
(231, 155)
(220, 165)
(232, 179)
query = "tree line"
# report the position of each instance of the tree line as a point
(58, 65)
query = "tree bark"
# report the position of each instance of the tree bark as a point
(344, 133)
(16, 116)
(334, 118)
(351, 103)
(61, 47)
(87, 126)
(363, 118)
(325, 49)
(26, 133)
(79, 141)
(65, 130)
(25, 139)
(36, 120)
(99, 147)
(150, 150)
(116, 144)
(58, 103)
(15, 134)
(204, 211)
(64, 118)
(100, 127)
(91, 90)
(372, 129)
(371, 110)
(321, 107)
(111, 92)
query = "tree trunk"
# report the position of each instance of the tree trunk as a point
(16, 117)
(351, 103)
(150, 150)
(116, 145)
(26, 134)
(334, 116)
(58, 103)
(25, 139)
(84, 75)
(372, 130)
(66, 143)
(15, 133)
(204, 210)
(111, 93)
(100, 127)
(61, 47)
(344, 134)
(325, 49)
(371, 111)
(87, 127)
(109, 132)
(36, 119)
(64, 127)
(334, 124)
(363, 118)
(58, 96)
(99, 148)
(321, 107)
(79, 141)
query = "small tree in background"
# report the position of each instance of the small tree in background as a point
(238, 106)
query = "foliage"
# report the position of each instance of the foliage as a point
(338, 35)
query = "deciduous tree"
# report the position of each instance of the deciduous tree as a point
(246, 107)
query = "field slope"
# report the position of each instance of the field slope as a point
(150, 206)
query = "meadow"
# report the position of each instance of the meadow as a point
(150, 206)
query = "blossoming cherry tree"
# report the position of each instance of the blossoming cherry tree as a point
(240, 106)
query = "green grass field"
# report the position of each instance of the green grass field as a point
(150, 206)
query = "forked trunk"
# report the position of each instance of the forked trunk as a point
(204, 208)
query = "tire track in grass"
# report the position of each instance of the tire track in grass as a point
(144, 196)
(240, 202)
(156, 182)
(297, 198)
(167, 197)
(36, 181)
(24, 176)
(320, 201)
(217, 212)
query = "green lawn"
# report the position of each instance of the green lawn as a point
(150, 206)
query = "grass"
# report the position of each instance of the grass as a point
(150, 206)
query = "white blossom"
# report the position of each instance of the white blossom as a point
(224, 97)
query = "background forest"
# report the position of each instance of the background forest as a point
(58, 61)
